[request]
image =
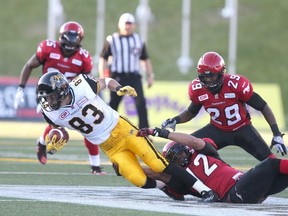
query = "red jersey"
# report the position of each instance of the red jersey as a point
(50, 56)
(227, 109)
(213, 172)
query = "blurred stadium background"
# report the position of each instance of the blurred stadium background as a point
(261, 34)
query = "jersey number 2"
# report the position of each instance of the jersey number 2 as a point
(207, 169)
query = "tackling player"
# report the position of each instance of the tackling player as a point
(224, 97)
(77, 106)
(68, 57)
(200, 157)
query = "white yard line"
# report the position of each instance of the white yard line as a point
(139, 199)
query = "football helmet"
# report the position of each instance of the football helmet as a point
(175, 152)
(70, 36)
(211, 69)
(52, 88)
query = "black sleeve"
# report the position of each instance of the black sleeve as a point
(194, 108)
(144, 54)
(106, 52)
(257, 102)
(209, 150)
(92, 82)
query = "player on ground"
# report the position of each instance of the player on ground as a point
(77, 106)
(68, 57)
(224, 97)
(200, 157)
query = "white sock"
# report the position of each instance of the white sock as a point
(42, 140)
(160, 184)
(94, 160)
(199, 186)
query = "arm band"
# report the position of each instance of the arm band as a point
(107, 80)
(194, 109)
(257, 102)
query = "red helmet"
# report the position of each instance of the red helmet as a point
(70, 36)
(211, 68)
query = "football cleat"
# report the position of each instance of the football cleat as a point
(41, 153)
(209, 196)
(97, 170)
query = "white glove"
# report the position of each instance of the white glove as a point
(19, 97)
(278, 142)
(169, 123)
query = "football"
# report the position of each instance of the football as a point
(60, 133)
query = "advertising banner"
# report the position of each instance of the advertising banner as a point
(164, 100)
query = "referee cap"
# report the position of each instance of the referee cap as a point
(125, 18)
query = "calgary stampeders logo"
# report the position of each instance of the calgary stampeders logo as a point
(63, 115)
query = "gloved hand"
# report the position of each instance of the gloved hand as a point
(127, 90)
(153, 132)
(169, 123)
(209, 196)
(278, 142)
(19, 97)
(52, 146)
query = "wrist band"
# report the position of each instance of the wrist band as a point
(22, 86)
(118, 87)
(177, 119)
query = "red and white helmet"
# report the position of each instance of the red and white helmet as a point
(70, 36)
(211, 68)
(173, 152)
(166, 147)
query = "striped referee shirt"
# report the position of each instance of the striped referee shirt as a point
(126, 52)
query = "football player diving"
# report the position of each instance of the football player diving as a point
(77, 106)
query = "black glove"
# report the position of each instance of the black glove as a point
(209, 196)
(153, 132)
(278, 142)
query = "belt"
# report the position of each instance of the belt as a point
(126, 74)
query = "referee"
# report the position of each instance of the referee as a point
(126, 50)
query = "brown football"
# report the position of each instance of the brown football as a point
(60, 133)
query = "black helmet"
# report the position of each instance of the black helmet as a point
(174, 154)
(52, 88)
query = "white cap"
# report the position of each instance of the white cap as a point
(124, 18)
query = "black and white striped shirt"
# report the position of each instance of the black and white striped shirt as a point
(126, 52)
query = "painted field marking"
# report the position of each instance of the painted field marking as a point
(140, 199)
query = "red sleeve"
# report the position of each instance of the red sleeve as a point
(88, 64)
(44, 49)
(244, 89)
(193, 91)
(210, 141)
(41, 53)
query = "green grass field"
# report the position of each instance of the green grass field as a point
(19, 166)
